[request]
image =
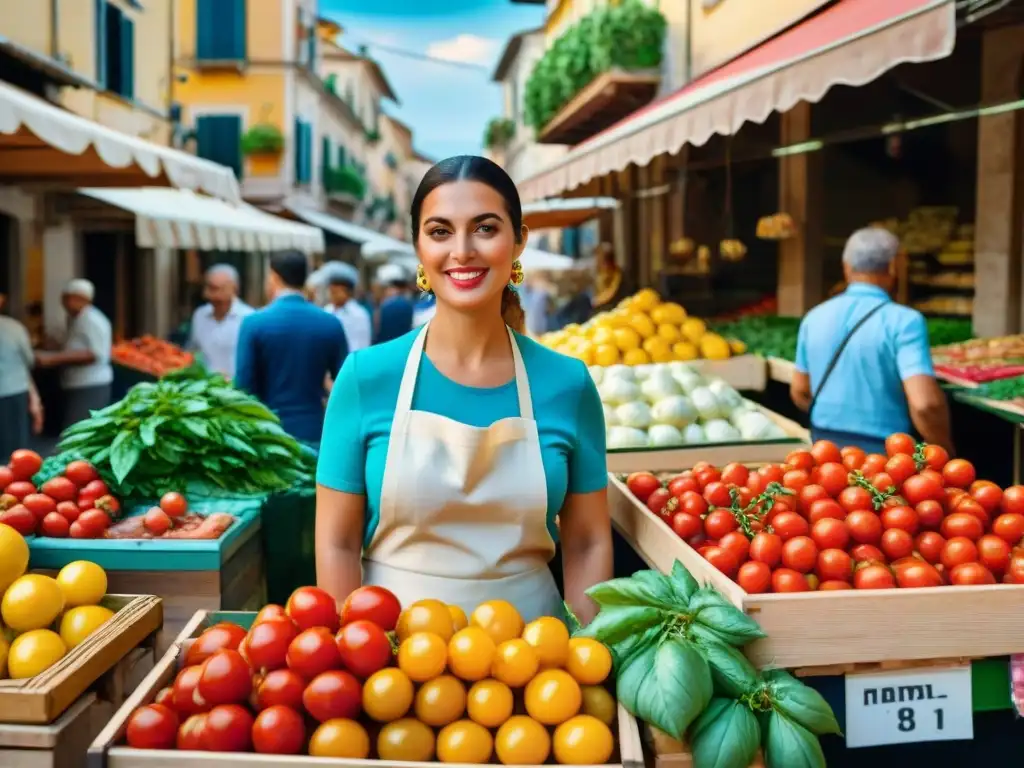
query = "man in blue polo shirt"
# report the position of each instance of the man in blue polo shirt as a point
(863, 362)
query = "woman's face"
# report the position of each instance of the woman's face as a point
(467, 244)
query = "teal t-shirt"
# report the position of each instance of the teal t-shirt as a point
(357, 426)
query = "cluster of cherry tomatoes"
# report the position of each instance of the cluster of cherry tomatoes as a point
(831, 518)
(75, 504)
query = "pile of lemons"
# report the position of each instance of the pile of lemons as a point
(486, 688)
(43, 618)
(641, 330)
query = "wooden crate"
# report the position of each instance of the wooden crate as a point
(670, 753)
(781, 370)
(670, 459)
(43, 698)
(815, 629)
(107, 750)
(740, 372)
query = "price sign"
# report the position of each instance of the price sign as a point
(909, 706)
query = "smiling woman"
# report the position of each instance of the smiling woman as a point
(448, 453)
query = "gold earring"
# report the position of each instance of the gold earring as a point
(421, 279)
(517, 273)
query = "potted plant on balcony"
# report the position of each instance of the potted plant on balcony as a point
(262, 145)
(499, 133)
(345, 180)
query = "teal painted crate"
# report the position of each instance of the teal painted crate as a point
(151, 554)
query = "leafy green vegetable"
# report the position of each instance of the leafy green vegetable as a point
(789, 745)
(731, 671)
(1001, 389)
(801, 703)
(683, 582)
(617, 622)
(710, 608)
(634, 591)
(726, 735)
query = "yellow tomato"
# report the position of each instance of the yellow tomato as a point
(627, 339)
(440, 701)
(340, 737)
(459, 620)
(464, 742)
(553, 696)
(589, 661)
(550, 639)
(13, 556)
(669, 333)
(489, 703)
(684, 351)
(31, 602)
(471, 654)
(597, 702)
(406, 740)
(642, 324)
(606, 355)
(583, 740)
(499, 619)
(34, 652)
(515, 663)
(426, 616)
(82, 582)
(422, 656)
(522, 741)
(387, 695)
(78, 623)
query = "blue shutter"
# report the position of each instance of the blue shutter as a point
(238, 31)
(297, 149)
(219, 139)
(127, 57)
(341, 156)
(325, 158)
(569, 241)
(206, 26)
(100, 9)
(307, 159)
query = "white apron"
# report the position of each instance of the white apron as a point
(463, 510)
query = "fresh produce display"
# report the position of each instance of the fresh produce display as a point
(679, 667)
(150, 355)
(671, 404)
(306, 679)
(1011, 389)
(982, 360)
(171, 519)
(831, 518)
(42, 618)
(74, 502)
(198, 435)
(641, 330)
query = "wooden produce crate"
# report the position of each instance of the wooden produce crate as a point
(223, 574)
(670, 753)
(740, 372)
(814, 629)
(43, 698)
(671, 459)
(107, 751)
(781, 370)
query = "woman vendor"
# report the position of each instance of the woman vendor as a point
(449, 452)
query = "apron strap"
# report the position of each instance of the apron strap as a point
(407, 388)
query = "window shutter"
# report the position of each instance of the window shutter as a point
(127, 57)
(325, 158)
(569, 241)
(219, 139)
(100, 8)
(341, 156)
(238, 31)
(307, 165)
(233, 144)
(297, 149)
(206, 41)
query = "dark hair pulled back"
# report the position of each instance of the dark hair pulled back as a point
(480, 169)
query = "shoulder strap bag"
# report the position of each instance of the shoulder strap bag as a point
(837, 354)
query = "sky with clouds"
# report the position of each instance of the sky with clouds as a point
(446, 106)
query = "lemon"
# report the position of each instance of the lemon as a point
(603, 335)
(669, 333)
(684, 351)
(737, 346)
(606, 354)
(654, 344)
(13, 556)
(34, 652)
(627, 339)
(31, 602)
(668, 314)
(584, 351)
(693, 329)
(78, 623)
(642, 324)
(635, 357)
(645, 300)
(714, 347)
(82, 582)
(4, 650)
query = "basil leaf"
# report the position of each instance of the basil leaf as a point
(683, 582)
(659, 585)
(624, 650)
(710, 608)
(617, 622)
(789, 745)
(124, 455)
(801, 703)
(197, 427)
(195, 405)
(624, 591)
(632, 677)
(239, 445)
(147, 432)
(677, 689)
(731, 671)
(726, 735)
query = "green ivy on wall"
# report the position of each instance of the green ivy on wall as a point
(262, 139)
(628, 35)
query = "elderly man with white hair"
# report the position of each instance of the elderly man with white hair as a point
(863, 362)
(216, 324)
(342, 279)
(86, 373)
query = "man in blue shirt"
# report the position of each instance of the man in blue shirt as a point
(394, 315)
(882, 381)
(290, 349)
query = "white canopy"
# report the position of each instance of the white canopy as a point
(373, 243)
(565, 212)
(177, 218)
(28, 125)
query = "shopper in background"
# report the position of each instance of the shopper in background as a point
(289, 349)
(863, 362)
(538, 302)
(608, 288)
(394, 315)
(342, 280)
(21, 410)
(86, 373)
(216, 324)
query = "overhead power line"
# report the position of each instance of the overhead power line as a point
(420, 56)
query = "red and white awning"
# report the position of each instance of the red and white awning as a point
(851, 43)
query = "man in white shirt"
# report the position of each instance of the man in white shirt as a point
(86, 373)
(215, 325)
(342, 279)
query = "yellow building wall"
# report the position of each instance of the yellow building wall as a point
(30, 26)
(265, 33)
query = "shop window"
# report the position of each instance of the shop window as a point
(219, 138)
(115, 50)
(220, 30)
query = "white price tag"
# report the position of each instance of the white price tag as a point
(909, 706)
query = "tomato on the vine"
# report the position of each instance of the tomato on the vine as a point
(865, 527)
(719, 522)
(754, 577)
(882, 482)
(830, 533)
(929, 545)
(766, 548)
(686, 525)
(722, 559)
(900, 442)
(834, 565)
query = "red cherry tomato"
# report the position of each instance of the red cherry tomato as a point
(834, 565)
(722, 559)
(766, 548)
(281, 687)
(364, 648)
(829, 533)
(313, 652)
(1009, 526)
(929, 545)
(228, 728)
(856, 497)
(183, 691)
(735, 474)
(190, 734)
(642, 485)
(800, 554)
(225, 679)
(825, 508)
(958, 551)
(970, 573)
(278, 731)
(897, 543)
(918, 574)
(993, 553)
(271, 611)
(868, 553)
(962, 524)
(81, 473)
(219, 637)
(789, 525)
(312, 607)
(374, 604)
(754, 577)
(56, 526)
(788, 580)
(930, 514)
(719, 522)
(900, 517)
(686, 525)
(266, 645)
(153, 726)
(680, 485)
(873, 577)
(331, 695)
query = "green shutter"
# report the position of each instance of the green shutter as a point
(221, 30)
(100, 9)
(127, 57)
(307, 160)
(237, 26)
(219, 139)
(297, 149)
(325, 157)
(341, 156)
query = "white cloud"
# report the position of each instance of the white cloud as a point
(466, 49)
